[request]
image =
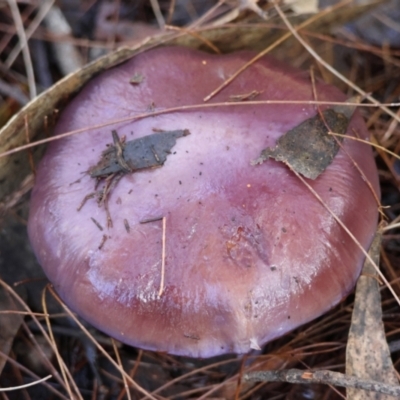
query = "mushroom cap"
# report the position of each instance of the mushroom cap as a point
(250, 252)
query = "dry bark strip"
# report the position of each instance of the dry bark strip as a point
(325, 377)
(367, 353)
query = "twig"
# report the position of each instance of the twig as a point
(164, 111)
(158, 14)
(66, 54)
(171, 10)
(263, 53)
(206, 16)
(196, 35)
(13, 199)
(9, 389)
(103, 241)
(28, 372)
(252, 6)
(329, 67)
(152, 219)
(14, 92)
(63, 368)
(118, 357)
(344, 227)
(97, 223)
(43, 10)
(99, 347)
(30, 152)
(164, 226)
(24, 46)
(19, 300)
(322, 376)
(375, 145)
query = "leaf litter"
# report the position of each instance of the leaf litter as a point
(309, 148)
(367, 352)
(390, 242)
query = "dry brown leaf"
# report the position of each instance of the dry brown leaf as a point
(367, 353)
(309, 148)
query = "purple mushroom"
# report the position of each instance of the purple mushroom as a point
(249, 252)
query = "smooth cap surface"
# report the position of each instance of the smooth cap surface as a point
(250, 252)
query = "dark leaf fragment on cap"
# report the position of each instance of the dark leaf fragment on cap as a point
(146, 152)
(309, 148)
